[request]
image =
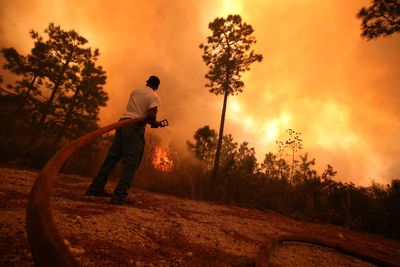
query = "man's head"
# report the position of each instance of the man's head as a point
(153, 82)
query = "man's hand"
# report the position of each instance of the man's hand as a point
(151, 119)
(156, 124)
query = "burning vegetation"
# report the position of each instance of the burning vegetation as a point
(161, 160)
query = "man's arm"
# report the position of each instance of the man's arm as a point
(151, 118)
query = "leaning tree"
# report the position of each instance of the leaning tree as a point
(228, 53)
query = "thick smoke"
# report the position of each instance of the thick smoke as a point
(318, 76)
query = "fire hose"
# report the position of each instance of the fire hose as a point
(46, 244)
(48, 248)
(265, 252)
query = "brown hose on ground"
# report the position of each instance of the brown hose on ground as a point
(264, 254)
(47, 246)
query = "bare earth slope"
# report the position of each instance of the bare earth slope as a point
(162, 230)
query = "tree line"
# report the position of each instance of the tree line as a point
(291, 186)
(287, 182)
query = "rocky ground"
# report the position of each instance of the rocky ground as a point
(162, 230)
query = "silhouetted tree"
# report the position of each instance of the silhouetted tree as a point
(275, 167)
(60, 82)
(393, 210)
(26, 67)
(31, 70)
(68, 54)
(81, 109)
(227, 53)
(246, 159)
(305, 167)
(289, 147)
(235, 158)
(329, 173)
(269, 165)
(381, 18)
(205, 140)
(228, 155)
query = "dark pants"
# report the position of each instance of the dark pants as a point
(128, 144)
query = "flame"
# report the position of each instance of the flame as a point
(161, 160)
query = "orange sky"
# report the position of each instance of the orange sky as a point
(318, 76)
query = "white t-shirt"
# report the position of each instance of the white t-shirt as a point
(141, 100)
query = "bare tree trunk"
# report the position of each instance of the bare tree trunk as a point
(221, 127)
(291, 171)
(221, 134)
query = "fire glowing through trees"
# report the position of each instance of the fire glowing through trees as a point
(161, 160)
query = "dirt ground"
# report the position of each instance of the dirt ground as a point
(163, 230)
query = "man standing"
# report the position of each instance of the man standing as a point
(128, 143)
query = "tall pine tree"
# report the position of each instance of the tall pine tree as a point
(228, 54)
